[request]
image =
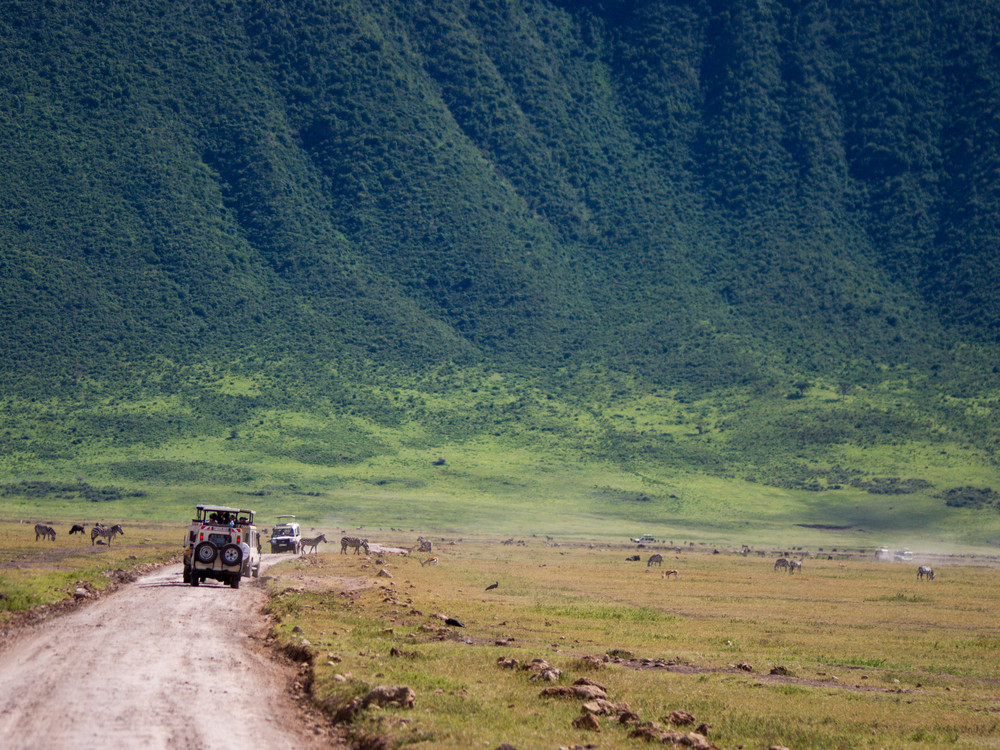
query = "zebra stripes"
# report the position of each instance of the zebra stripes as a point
(312, 542)
(783, 563)
(43, 531)
(353, 541)
(104, 532)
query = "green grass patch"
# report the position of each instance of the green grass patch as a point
(598, 612)
(581, 599)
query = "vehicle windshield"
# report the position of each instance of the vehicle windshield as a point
(283, 531)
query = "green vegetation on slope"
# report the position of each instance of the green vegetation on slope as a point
(750, 240)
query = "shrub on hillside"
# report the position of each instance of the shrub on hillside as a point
(971, 497)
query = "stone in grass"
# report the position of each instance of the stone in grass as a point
(400, 696)
(604, 707)
(587, 721)
(680, 718)
(652, 733)
(588, 681)
(583, 692)
(542, 670)
(592, 662)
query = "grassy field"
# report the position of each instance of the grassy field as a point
(868, 656)
(871, 657)
(35, 573)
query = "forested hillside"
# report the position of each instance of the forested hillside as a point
(731, 200)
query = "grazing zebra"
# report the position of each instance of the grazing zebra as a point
(668, 573)
(425, 545)
(781, 563)
(104, 532)
(353, 541)
(429, 561)
(794, 565)
(313, 542)
(44, 532)
(924, 572)
(655, 558)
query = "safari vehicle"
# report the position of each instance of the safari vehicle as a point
(286, 536)
(223, 544)
(645, 539)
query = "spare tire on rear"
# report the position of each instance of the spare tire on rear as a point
(205, 553)
(231, 555)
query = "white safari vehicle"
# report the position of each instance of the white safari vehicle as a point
(223, 544)
(286, 536)
(645, 539)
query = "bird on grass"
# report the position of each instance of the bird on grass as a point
(492, 586)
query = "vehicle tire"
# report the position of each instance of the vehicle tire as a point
(193, 576)
(186, 575)
(235, 581)
(205, 553)
(231, 554)
(256, 570)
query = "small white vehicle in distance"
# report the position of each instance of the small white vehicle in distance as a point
(286, 536)
(645, 539)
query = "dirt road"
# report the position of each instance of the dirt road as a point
(158, 664)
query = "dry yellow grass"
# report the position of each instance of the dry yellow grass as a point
(875, 658)
(41, 572)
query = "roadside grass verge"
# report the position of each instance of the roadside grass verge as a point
(34, 574)
(860, 667)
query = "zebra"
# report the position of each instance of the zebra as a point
(44, 532)
(353, 541)
(425, 545)
(104, 532)
(794, 565)
(313, 542)
(655, 558)
(781, 563)
(925, 572)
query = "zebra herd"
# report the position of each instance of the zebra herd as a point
(783, 563)
(105, 535)
(353, 541)
(100, 531)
